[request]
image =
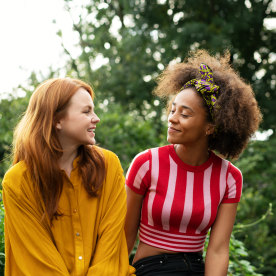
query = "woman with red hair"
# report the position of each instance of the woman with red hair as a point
(64, 197)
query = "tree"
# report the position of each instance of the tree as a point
(259, 169)
(138, 39)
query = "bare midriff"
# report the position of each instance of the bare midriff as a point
(144, 250)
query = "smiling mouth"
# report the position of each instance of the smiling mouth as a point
(91, 130)
(171, 129)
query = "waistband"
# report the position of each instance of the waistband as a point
(163, 258)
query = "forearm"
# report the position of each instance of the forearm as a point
(130, 238)
(217, 257)
(134, 205)
(216, 263)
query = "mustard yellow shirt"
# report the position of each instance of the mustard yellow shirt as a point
(87, 240)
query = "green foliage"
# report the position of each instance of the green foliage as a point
(126, 134)
(139, 38)
(238, 259)
(11, 110)
(10, 113)
(258, 164)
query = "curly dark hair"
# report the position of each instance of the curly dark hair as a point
(236, 113)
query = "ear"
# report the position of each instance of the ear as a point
(210, 128)
(58, 125)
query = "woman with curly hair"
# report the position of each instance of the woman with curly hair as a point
(64, 197)
(177, 192)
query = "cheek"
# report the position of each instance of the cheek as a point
(194, 127)
(78, 117)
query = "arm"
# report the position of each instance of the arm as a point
(217, 256)
(29, 247)
(134, 205)
(111, 256)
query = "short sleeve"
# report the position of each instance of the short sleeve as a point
(234, 183)
(138, 174)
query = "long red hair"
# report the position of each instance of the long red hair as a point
(36, 143)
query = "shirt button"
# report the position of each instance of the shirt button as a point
(77, 234)
(80, 257)
(75, 210)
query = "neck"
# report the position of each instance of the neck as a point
(66, 160)
(191, 155)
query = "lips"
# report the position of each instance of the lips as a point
(172, 129)
(91, 129)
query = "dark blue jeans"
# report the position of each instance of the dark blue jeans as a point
(179, 264)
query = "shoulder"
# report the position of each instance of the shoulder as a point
(108, 155)
(16, 172)
(113, 167)
(232, 172)
(114, 176)
(143, 155)
(14, 177)
(235, 172)
(226, 163)
(151, 152)
(17, 169)
(233, 168)
(140, 159)
(226, 168)
(150, 155)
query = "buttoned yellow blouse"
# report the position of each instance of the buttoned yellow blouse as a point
(88, 239)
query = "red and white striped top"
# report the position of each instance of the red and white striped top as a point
(180, 201)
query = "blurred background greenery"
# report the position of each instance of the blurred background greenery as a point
(136, 40)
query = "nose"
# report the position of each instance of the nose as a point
(172, 118)
(95, 119)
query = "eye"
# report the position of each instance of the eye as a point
(172, 111)
(184, 115)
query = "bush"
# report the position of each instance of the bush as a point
(127, 134)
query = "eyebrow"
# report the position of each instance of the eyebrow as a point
(184, 107)
(88, 106)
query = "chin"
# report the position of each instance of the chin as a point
(90, 142)
(170, 140)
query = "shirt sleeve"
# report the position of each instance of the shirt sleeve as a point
(111, 255)
(234, 184)
(29, 247)
(138, 174)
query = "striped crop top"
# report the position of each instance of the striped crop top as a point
(180, 201)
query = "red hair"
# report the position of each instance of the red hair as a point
(36, 143)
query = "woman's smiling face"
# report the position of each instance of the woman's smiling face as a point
(187, 121)
(79, 124)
